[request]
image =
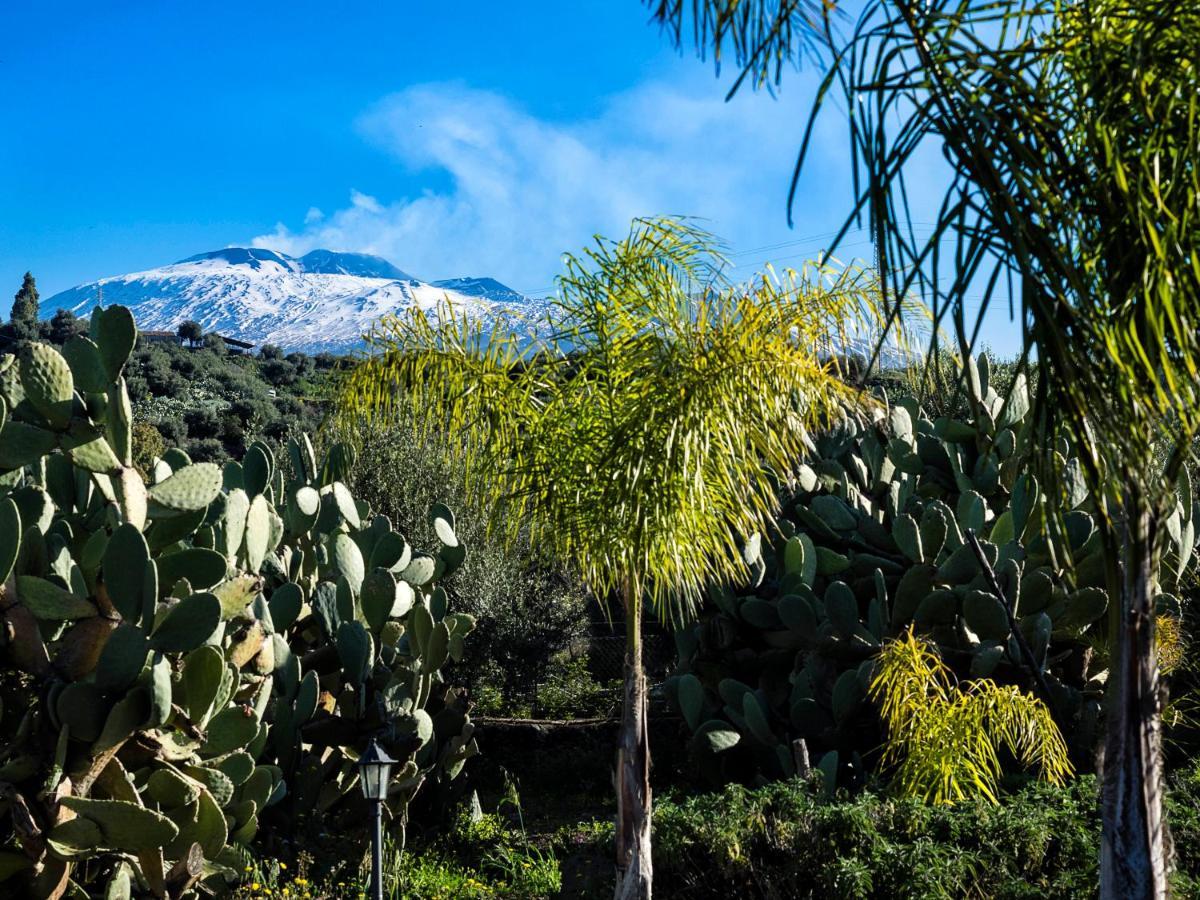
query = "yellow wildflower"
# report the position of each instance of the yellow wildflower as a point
(283, 866)
(256, 886)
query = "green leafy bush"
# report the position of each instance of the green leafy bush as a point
(783, 841)
(787, 840)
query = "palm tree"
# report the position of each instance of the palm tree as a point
(1073, 144)
(643, 442)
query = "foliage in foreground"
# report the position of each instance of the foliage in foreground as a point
(171, 649)
(945, 739)
(783, 841)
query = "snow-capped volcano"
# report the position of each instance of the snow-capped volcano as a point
(320, 301)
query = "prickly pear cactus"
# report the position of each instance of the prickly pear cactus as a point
(364, 612)
(152, 693)
(877, 538)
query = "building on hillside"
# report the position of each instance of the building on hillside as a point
(233, 345)
(236, 346)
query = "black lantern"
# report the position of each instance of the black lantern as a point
(375, 771)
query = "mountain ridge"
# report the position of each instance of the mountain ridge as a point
(323, 300)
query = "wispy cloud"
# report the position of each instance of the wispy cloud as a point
(521, 189)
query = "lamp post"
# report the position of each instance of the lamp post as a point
(375, 771)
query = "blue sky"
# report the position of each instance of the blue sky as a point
(465, 139)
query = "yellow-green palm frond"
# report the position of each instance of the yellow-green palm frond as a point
(645, 439)
(945, 740)
(1170, 643)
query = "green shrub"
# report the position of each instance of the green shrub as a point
(782, 841)
(786, 840)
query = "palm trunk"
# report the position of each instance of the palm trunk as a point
(1133, 845)
(634, 866)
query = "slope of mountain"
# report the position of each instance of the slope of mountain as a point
(320, 301)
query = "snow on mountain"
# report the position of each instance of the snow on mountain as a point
(481, 287)
(320, 301)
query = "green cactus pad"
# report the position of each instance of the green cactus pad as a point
(760, 613)
(256, 470)
(307, 500)
(436, 650)
(442, 520)
(798, 614)
(847, 693)
(960, 567)
(75, 837)
(842, 609)
(834, 512)
(391, 552)
(93, 453)
(83, 356)
(715, 736)
(420, 625)
(756, 719)
(237, 766)
(122, 659)
(237, 507)
(419, 571)
(231, 729)
(378, 597)
(830, 562)
(404, 600)
(22, 445)
(126, 827)
(81, 707)
(258, 532)
(189, 488)
(113, 330)
(971, 512)
(985, 660)
(216, 782)
(10, 536)
(348, 560)
(50, 602)
(188, 624)
(908, 537)
(203, 669)
(1082, 609)
(985, 615)
(48, 383)
(285, 605)
(170, 790)
(346, 507)
(1024, 499)
(236, 594)
(119, 422)
(128, 714)
(203, 568)
(355, 650)
(938, 608)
